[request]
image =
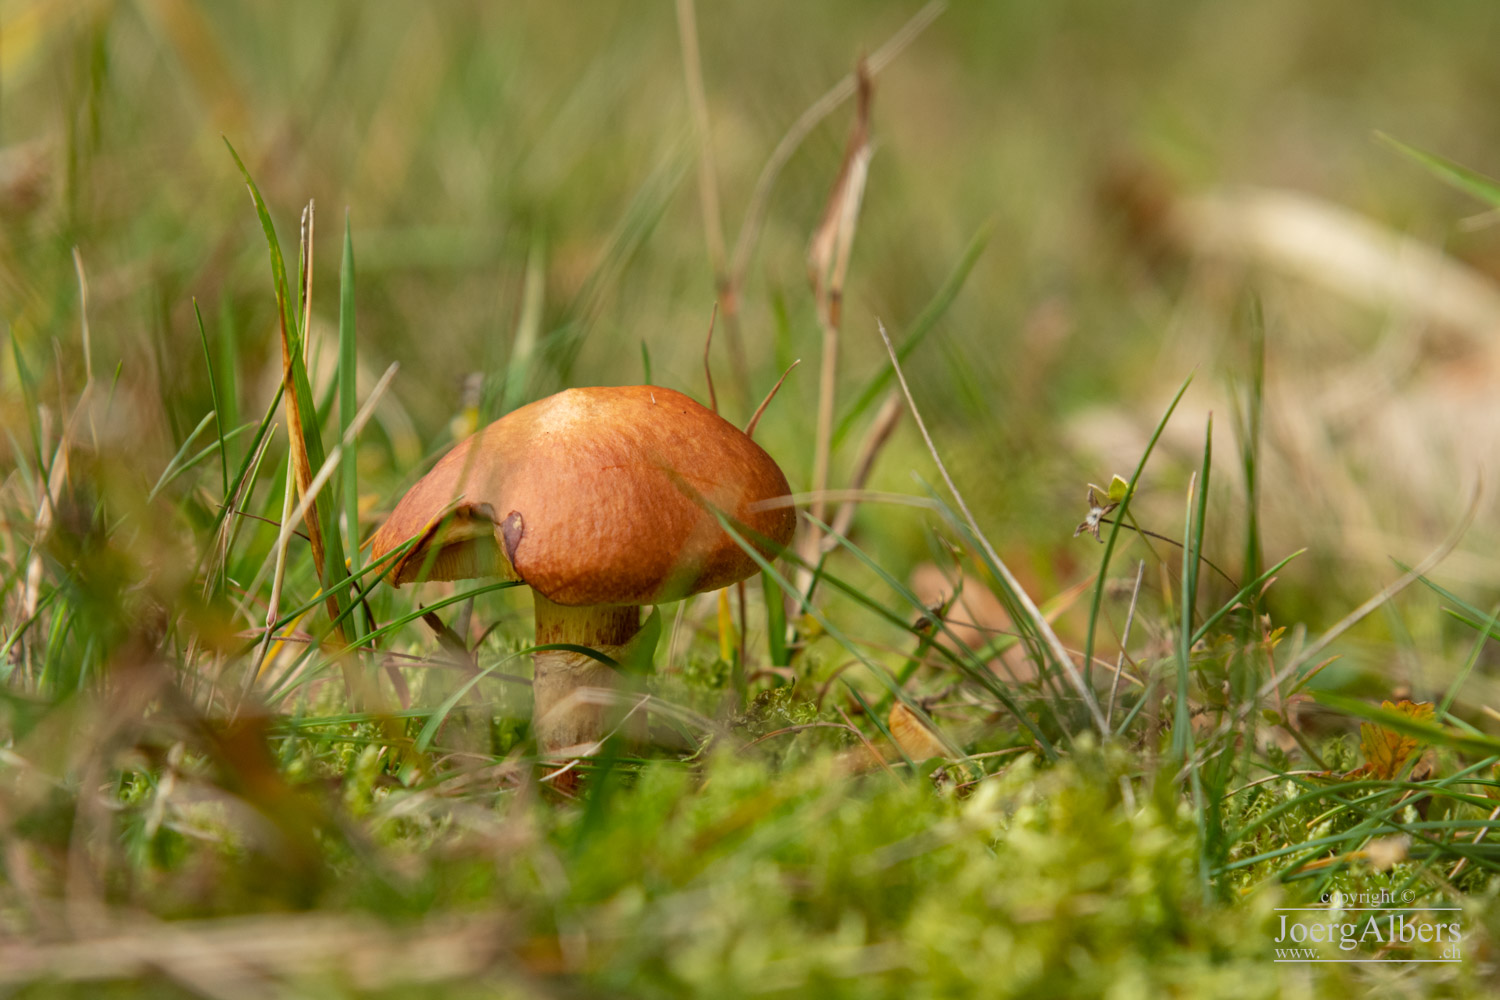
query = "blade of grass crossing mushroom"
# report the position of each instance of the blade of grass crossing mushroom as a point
(1120, 518)
(282, 686)
(997, 565)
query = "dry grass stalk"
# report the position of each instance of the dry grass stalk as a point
(755, 213)
(1114, 687)
(708, 184)
(235, 957)
(827, 267)
(296, 441)
(755, 417)
(730, 270)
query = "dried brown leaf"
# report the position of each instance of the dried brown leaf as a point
(1386, 752)
(913, 736)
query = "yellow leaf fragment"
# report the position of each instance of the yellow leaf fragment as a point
(913, 735)
(1386, 752)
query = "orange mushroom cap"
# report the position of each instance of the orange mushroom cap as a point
(594, 496)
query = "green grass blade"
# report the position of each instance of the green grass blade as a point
(1192, 549)
(213, 389)
(1114, 529)
(1468, 667)
(440, 714)
(170, 472)
(328, 550)
(775, 621)
(1468, 181)
(348, 367)
(926, 320)
(1250, 434)
(833, 631)
(1245, 592)
(975, 670)
(1400, 722)
(278, 264)
(228, 341)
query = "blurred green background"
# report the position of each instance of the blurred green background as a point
(469, 142)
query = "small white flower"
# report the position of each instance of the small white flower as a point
(1097, 510)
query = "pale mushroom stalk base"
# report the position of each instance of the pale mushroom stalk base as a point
(572, 708)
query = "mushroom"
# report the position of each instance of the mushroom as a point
(601, 500)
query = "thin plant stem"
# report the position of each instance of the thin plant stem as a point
(1039, 620)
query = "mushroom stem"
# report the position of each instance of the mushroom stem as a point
(567, 718)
